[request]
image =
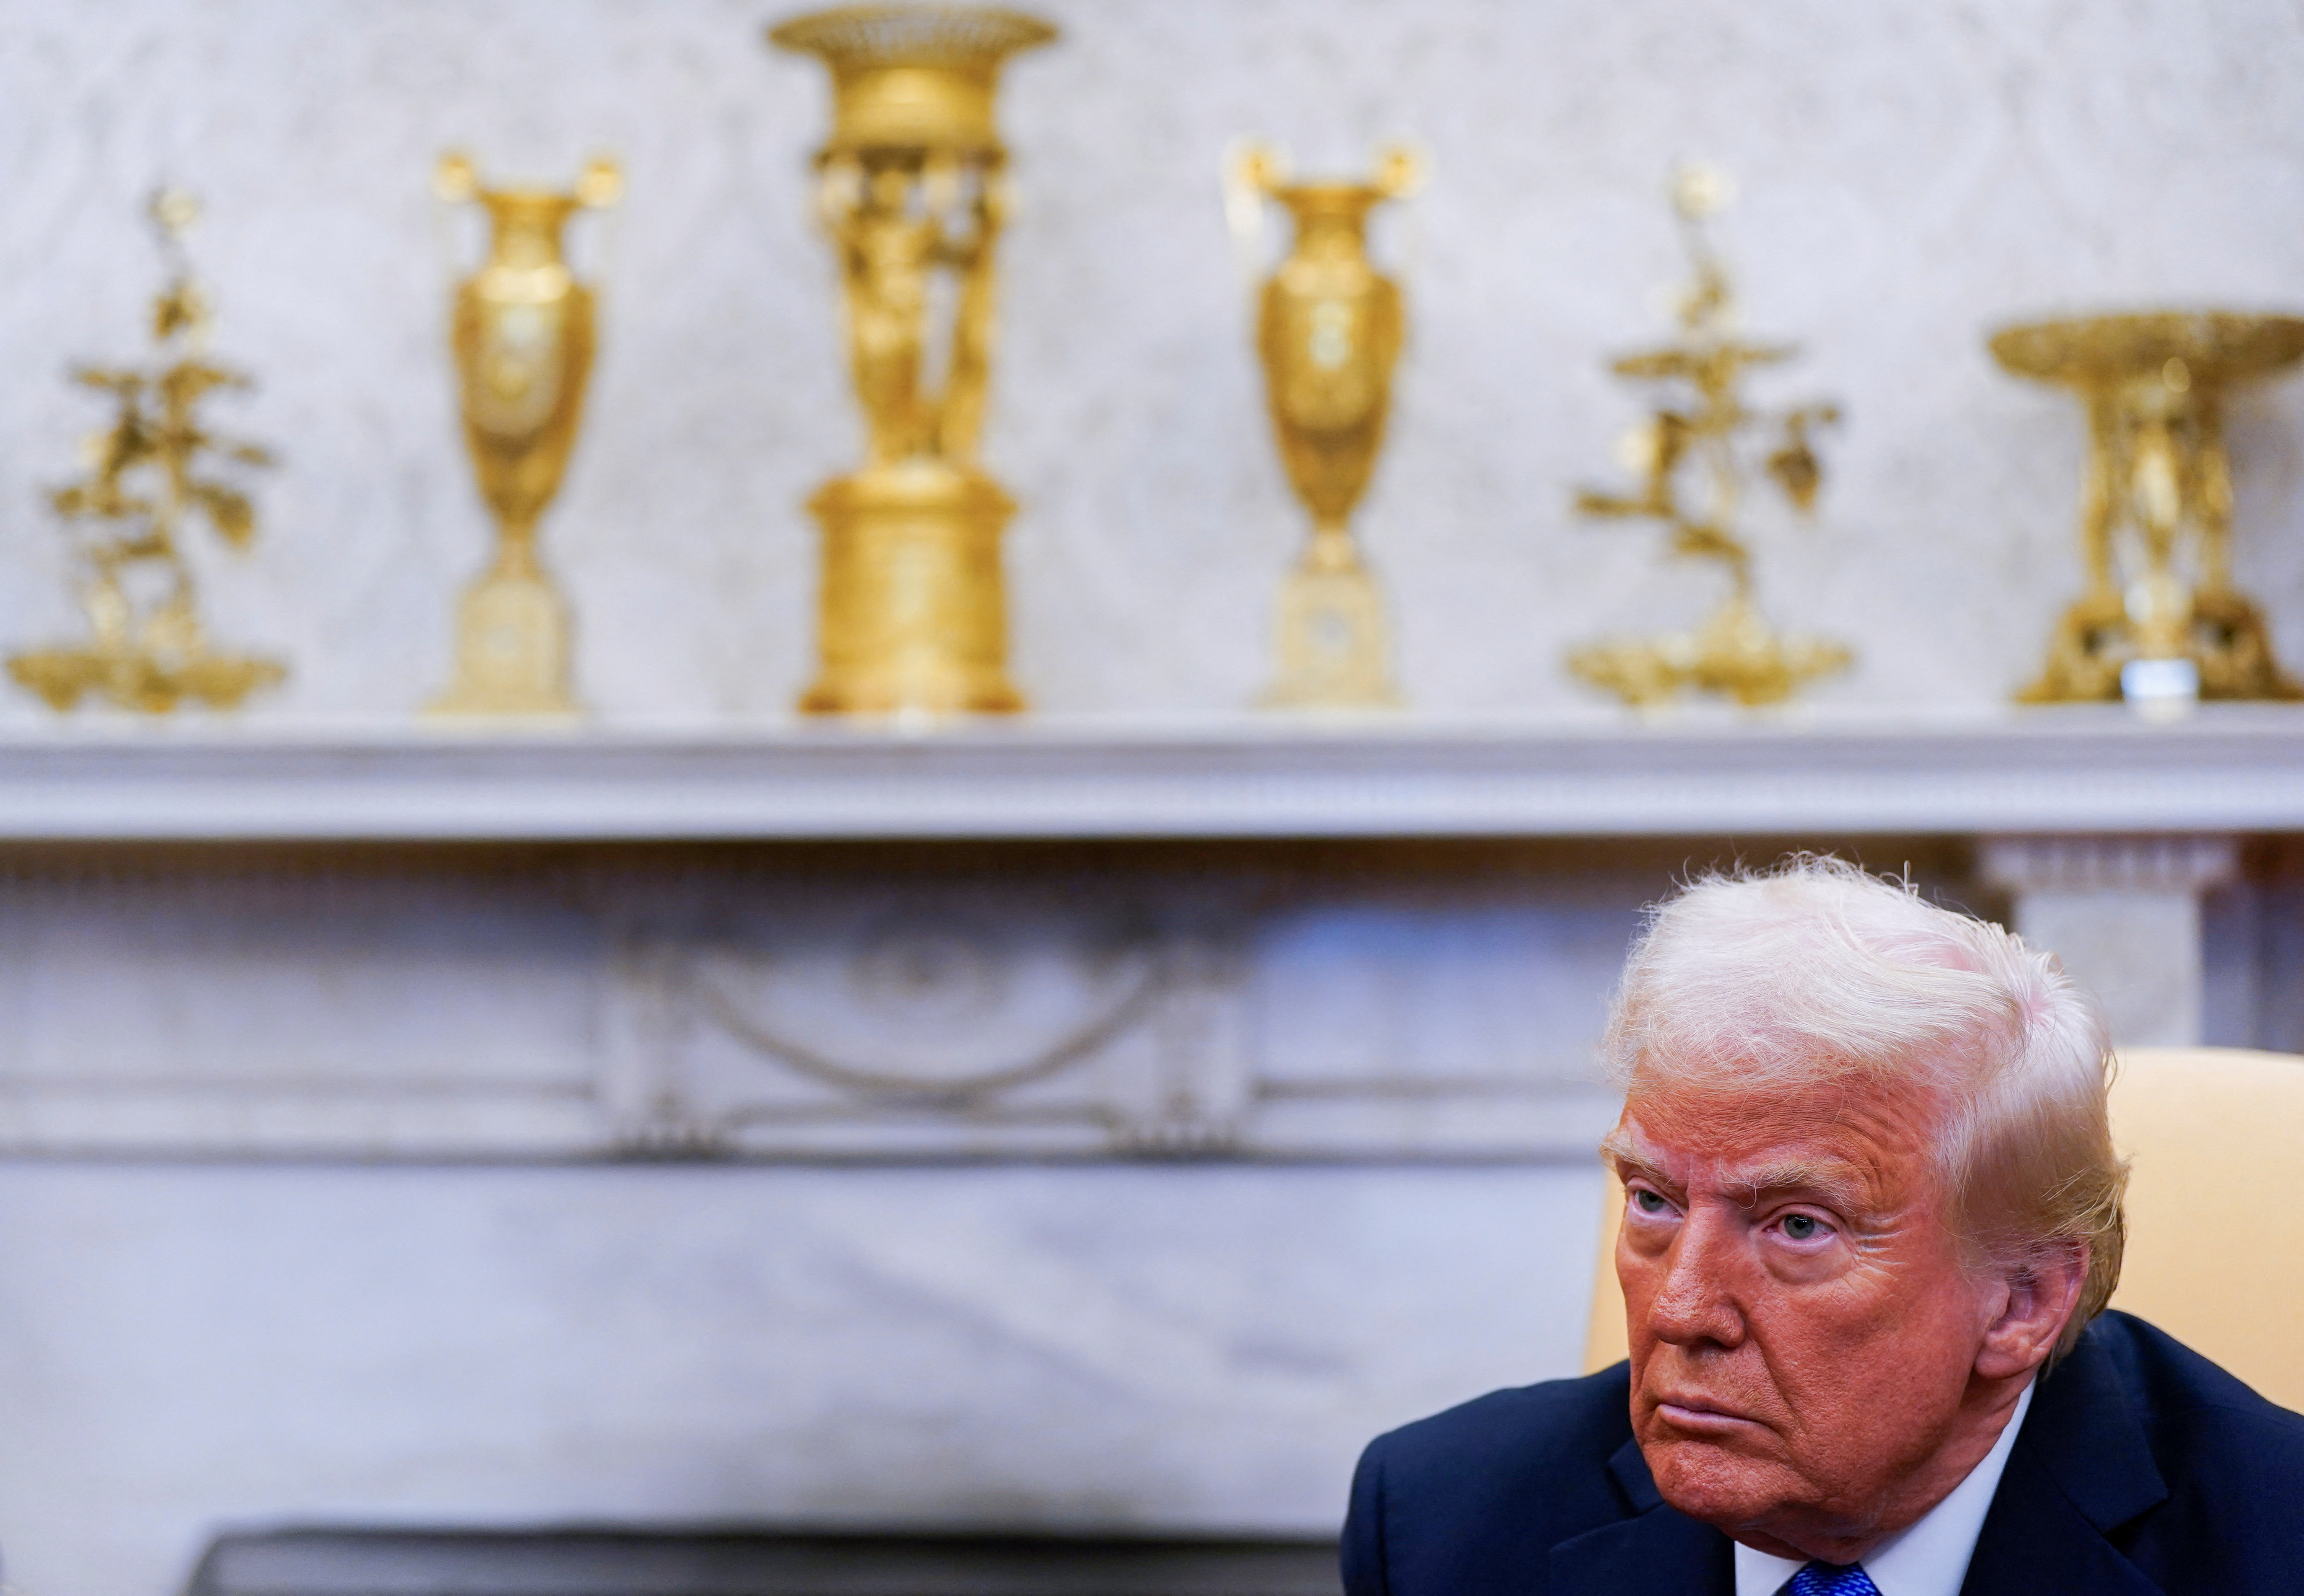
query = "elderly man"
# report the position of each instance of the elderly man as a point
(1871, 1220)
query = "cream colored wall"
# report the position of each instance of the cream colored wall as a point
(1911, 175)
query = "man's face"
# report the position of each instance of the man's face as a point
(1802, 1329)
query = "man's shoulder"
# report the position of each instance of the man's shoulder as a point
(1468, 1501)
(2192, 1409)
(2189, 1474)
(1559, 1424)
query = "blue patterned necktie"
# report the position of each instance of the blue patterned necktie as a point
(1821, 1578)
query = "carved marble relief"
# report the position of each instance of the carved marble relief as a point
(935, 1017)
(700, 1007)
(1100, 1014)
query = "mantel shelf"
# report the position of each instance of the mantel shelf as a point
(2227, 769)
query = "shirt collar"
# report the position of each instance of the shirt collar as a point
(1929, 1557)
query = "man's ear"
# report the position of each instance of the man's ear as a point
(2042, 1296)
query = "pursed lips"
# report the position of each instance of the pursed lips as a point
(1685, 1410)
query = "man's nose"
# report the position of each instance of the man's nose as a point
(1695, 1301)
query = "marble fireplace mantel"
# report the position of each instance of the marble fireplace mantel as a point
(2227, 770)
(553, 992)
(989, 1127)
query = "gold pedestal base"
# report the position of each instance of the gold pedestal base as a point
(143, 682)
(1335, 650)
(2156, 514)
(913, 615)
(1735, 652)
(512, 649)
(2225, 639)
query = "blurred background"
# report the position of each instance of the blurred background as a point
(412, 1169)
(1908, 181)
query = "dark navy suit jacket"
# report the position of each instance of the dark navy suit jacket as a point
(2141, 1467)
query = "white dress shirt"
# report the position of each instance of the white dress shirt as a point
(1930, 1558)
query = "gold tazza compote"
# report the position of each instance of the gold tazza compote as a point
(912, 188)
(2160, 610)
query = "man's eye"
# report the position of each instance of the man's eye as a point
(1648, 1202)
(1801, 1226)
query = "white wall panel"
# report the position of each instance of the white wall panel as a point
(184, 1347)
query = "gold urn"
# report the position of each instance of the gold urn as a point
(912, 188)
(522, 332)
(1328, 330)
(2160, 621)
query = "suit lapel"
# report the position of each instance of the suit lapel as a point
(1657, 1552)
(2034, 1539)
(2080, 1468)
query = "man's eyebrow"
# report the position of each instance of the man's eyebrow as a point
(1616, 1148)
(1838, 1184)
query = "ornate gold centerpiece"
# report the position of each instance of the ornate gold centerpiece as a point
(912, 188)
(522, 334)
(1697, 428)
(1328, 327)
(146, 484)
(2160, 620)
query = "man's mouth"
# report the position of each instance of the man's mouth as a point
(1699, 1416)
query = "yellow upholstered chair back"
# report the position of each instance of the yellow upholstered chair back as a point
(2216, 1221)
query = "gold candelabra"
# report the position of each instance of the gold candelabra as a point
(1328, 330)
(912, 188)
(2160, 621)
(522, 334)
(1697, 428)
(145, 484)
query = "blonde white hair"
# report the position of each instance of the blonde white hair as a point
(1814, 972)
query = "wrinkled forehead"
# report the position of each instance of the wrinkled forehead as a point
(1883, 1136)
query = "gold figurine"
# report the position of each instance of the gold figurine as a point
(2160, 621)
(144, 485)
(1328, 328)
(912, 188)
(1696, 428)
(522, 334)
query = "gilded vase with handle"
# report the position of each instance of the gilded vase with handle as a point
(1329, 329)
(912, 188)
(2160, 621)
(523, 333)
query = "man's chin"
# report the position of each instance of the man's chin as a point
(1718, 1483)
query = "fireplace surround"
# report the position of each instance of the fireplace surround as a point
(732, 1561)
(1049, 1132)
